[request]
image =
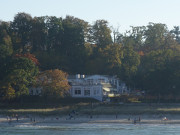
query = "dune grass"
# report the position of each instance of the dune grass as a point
(98, 109)
(131, 109)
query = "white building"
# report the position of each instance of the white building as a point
(35, 90)
(99, 87)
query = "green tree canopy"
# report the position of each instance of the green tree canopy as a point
(157, 73)
(20, 73)
(5, 41)
(101, 34)
(130, 63)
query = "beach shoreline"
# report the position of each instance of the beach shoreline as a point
(95, 119)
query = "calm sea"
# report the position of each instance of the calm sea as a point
(90, 129)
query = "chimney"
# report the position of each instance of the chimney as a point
(78, 76)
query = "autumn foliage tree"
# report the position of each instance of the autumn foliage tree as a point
(54, 83)
(29, 56)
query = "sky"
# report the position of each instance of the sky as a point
(119, 13)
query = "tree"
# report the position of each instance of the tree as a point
(55, 32)
(137, 37)
(112, 55)
(96, 66)
(101, 34)
(29, 56)
(6, 48)
(21, 30)
(54, 83)
(155, 35)
(19, 74)
(176, 33)
(130, 63)
(73, 47)
(5, 41)
(156, 72)
(38, 36)
(6, 91)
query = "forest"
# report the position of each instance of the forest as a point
(146, 58)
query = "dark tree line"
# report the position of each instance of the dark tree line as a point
(146, 57)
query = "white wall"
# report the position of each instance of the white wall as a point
(95, 91)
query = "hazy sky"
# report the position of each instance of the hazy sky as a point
(122, 13)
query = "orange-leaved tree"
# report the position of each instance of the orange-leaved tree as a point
(29, 56)
(54, 83)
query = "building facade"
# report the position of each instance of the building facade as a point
(99, 87)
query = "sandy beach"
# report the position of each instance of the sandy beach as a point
(119, 119)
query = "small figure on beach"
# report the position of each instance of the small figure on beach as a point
(134, 121)
(72, 114)
(34, 119)
(165, 119)
(10, 118)
(7, 117)
(139, 119)
(129, 118)
(17, 118)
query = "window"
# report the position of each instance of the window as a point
(86, 92)
(77, 92)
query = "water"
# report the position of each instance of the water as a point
(90, 129)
